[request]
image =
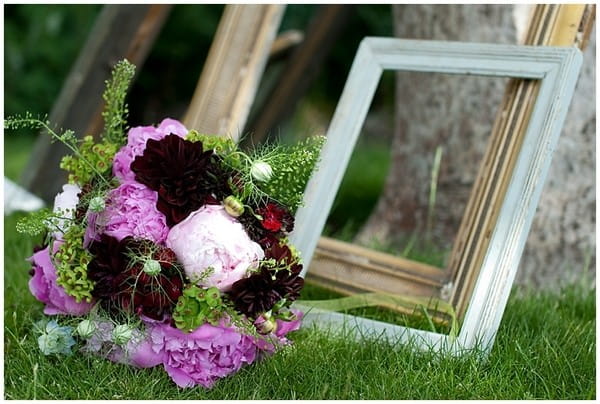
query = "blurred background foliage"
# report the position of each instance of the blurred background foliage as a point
(41, 43)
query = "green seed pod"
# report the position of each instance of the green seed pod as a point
(151, 267)
(233, 206)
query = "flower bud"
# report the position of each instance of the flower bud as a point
(265, 325)
(261, 171)
(152, 267)
(86, 329)
(122, 334)
(233, 206)
(97, 204)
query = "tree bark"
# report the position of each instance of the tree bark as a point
(562, 242)
(454, 112)
(457, 113)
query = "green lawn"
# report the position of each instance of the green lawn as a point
(545, 349)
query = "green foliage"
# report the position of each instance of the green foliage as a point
(292, 167)
(41, 43)
(197, 306)
(71, 261)
(115, 110)
(223, 146)
(87, 165)
(91, 160)
(35, 223)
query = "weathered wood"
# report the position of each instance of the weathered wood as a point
(551, 24)
(345, 267)
(233, 69)
(284, 44)
(121, 31)
(300, 70)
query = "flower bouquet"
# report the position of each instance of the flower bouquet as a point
(168, 247)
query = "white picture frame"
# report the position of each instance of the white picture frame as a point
(557, 69)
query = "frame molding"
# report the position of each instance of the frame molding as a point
(555, 69)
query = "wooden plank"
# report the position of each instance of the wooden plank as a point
(284, 44)
(347, 268)
(233, 68)
(551, 25)
(121, 31)
(300, 70)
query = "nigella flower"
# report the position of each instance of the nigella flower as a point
(184, 174)
(55, 339)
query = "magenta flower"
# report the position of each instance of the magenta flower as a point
(136, 144)
(206, 354)
(130, 211)
(202, 356)
(44, 288)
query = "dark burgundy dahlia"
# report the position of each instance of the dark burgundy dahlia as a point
(124, 282)
(260, 292)
(183, 173)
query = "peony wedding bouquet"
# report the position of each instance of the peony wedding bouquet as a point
(168, 247)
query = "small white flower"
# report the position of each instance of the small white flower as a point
(261, 171)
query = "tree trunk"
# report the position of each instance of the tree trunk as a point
(562, 241)
(456, 113)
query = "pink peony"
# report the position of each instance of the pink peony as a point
(136, 143)
(130, 211)
(65, 202)
(208, 353)
(44, 287)
(211, 240)
(204, 355)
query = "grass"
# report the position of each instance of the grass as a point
(545, 349)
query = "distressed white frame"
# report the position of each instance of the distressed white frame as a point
(556, 68)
